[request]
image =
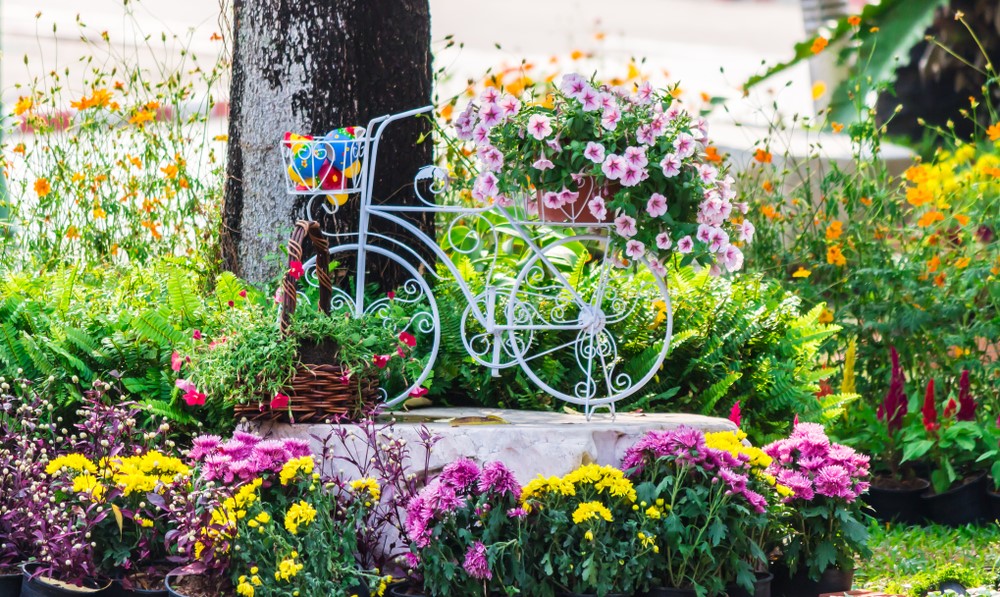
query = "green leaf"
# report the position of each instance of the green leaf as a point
(901, 24)
(825, 555)
(916, 449)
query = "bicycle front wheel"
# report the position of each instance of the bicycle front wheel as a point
(600, 329)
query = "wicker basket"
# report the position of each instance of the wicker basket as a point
(318, 391)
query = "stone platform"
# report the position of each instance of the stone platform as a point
(529, 443)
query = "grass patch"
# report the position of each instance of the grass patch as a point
(906, 558)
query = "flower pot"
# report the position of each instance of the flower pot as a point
(47, 587)
(671, 592)
(592, 595)
(895, 501)
(176, 588)
(577, 212)
(10, 585)
(761, 587)
(785, 584)
(119, 590)
(404, 588)
(993, 499)
(965, 504)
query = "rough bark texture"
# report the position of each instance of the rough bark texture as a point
(308, 67)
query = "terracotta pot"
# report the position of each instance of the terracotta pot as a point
(577, 212)
(965, 504)
(43, 587)
(897, 503)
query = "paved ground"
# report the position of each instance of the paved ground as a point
(690, 39)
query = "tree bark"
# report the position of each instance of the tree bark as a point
(308, 67)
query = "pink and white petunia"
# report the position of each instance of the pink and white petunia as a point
(685, 145)
(656, 206)
(633, 176)
(539, 126)
(625, 226)
(611, 117)
(745, 232)
(645, 93)
(481, 134)
(543, 164)
(707, 173)
(573, 85)
(731, 258)
(594, 152)
(636, 157)
(674, 112)
(744, 207)
(510, 105)
(635, 249)
(552, 200)
(613, 167)
(718, 240)
(504, 201)
(491, 157)
(685, 245)
(663, 241)
(608, 100)
(671, 165)
(598, 208)
(590, 99)
(490, 115)
(656, 266)
(704, 233)
(658, 126)
(567, 196)
(644, 134)
(490, 95)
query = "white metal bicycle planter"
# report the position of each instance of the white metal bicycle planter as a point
(542, 310)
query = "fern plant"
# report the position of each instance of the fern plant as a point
(74, 326)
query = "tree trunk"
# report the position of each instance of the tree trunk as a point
(309, 67)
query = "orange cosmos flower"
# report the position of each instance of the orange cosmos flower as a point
(819, 44)
(918, 196)
(834, 256)
(929, 218)
(763, 156)
(836, 126)
(42, 187)
(994, 131)
(834, 230)
(962, 219)
(854, 20)
(712, 154)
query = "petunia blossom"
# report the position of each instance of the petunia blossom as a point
(490, 115)
(597, 208)
(613, 167)
(684, 145)
(610, 118)
(594, 152)
(635, 249)
(685, 245)
(543, 164)
(663, 241)
(539, 126)
(625, 226)
(656, 206)
(671, 165)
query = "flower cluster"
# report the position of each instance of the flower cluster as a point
(810, 465)
(246, 456)
(633, 157)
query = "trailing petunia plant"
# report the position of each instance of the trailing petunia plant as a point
(826, 520)
(596, 152)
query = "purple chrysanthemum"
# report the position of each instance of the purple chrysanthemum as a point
(476, 563)
(497, 478)
(460, 474)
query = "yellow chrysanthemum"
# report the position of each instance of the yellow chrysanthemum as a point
(90, 485)
(287, 568)
(299, 514)
(591, 510)
(369, 485)
(293, 467)
(75, 462)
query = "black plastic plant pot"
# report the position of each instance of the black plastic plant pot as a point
(404, 588)
(965, 504)
(594, 595)
(117, 589)
(993, 500)
(45, 587)
(671, 592)
(761, 587)
(10, 585)
(833, 580)
(902, 505)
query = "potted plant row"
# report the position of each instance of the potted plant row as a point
(688, 514)
(935, 456)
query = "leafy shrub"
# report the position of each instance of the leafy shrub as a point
(75, 325)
